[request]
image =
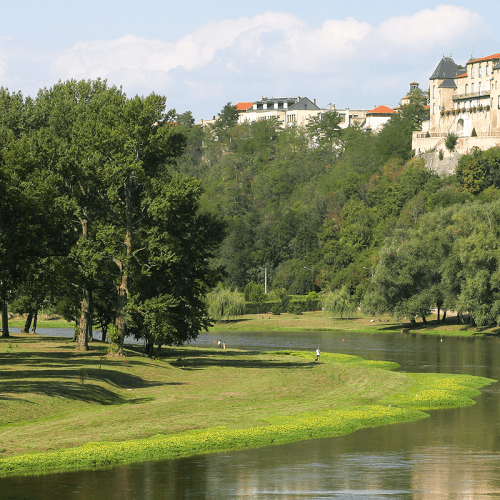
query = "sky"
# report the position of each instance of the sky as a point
(201, 55)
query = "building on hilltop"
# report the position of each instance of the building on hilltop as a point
(294, 111)
(288, 110)
(378, 117)
(407, 98)
(464, 101)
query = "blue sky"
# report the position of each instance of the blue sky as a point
(201, 55)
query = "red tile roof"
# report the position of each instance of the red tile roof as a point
(381, 110)
(463, 75)
(487, 58)
(243, 106)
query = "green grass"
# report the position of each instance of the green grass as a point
(63, 409)
(316, 321)
(319, 321)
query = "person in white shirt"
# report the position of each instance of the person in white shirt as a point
(318, 352)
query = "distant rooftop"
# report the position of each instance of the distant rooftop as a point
(447, 68)
(487, 58)
(381, 110)
(243, 106)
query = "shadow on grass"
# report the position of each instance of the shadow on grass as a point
(197, 360)
(232, 321)
(436, 325)
(53, 359)
(87, 393)
(114, 378)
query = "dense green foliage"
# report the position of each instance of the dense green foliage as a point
(115, 194)
(90, 195)
(449, 260)
(330, 209)
(312, 205)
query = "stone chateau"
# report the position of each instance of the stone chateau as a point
(464, 101)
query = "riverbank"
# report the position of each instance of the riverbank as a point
(55, 401)
(319, 321)
(316, 321)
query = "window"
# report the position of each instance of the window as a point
(471, 88)
(480, 71)
(487, 70)
(433, 91)
(472, 71)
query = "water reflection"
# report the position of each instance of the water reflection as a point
(452, 454)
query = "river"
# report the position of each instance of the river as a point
(454, 454)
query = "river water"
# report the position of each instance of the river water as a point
(454, 454)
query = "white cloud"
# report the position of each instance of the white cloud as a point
(272, 41)
(427, 29)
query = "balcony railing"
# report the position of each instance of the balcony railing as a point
(460, 97)
(424, 135)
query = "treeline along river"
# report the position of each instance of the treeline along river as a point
(454, 454)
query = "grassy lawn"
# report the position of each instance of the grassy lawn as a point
(314, 321)
(53, 397)
(319, 321)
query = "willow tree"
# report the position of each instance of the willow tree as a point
(223, 303)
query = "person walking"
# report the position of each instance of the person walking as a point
(318, 352)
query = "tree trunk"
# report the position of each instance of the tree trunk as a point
(5, 320)
(35, 321)
(424, 321)
(27, 323)
(149, 347)
(85, 312)
(90, 318)
(82, 342)
(443, 320)
(121, 324)
(104, 330)
(438, 311)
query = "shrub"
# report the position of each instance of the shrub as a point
(277, 309)
(312, 301)
(295, 308)
(451, 141)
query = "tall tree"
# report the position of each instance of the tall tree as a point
(227, 119)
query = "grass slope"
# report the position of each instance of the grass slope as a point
(62, 409)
